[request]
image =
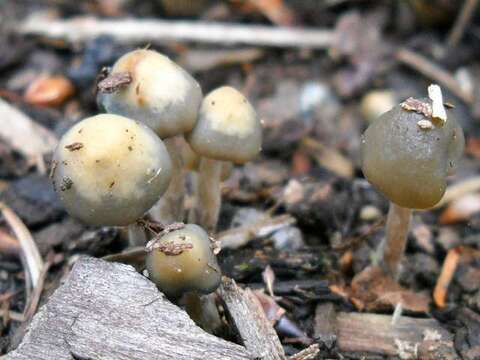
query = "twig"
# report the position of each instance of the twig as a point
(34, 299)
(145, 31)
(448, 270)
(240, 236)
(31, 255)
(306, 354)
(434, 72)
(12, 315)
(463, 18)
(8, 244)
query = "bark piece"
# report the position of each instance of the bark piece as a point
(251, 323)
(325, 328)
(109, 311)
(372, 333)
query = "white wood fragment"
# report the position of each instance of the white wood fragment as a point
(438, 109)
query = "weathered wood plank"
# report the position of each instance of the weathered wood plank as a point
(109, 311)
(252, 325)
(372, 333)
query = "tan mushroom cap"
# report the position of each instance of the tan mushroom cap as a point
(162, 94)
(184, 262)
(228, 127)
(109, 170)
(407, 163)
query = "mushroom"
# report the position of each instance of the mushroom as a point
(228, 129)
(182, 260)
(166, 98)
(191, 163)
(407, 154)
(110, 170)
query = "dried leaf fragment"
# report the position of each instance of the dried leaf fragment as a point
(418, 106)
(49, 91)
(113, 82)
(74, 146)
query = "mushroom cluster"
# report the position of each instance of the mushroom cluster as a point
(111, 169)
(407, 154)
(223, 127)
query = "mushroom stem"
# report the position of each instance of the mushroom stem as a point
(209, 193)
(203, 311)
(193, 212)
(396, 234)
(136, 235)
(170, 207)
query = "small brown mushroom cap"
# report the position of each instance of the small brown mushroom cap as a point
(407, 156)
(109, 170)
(161, 94)
(228, 127)
(182, 261)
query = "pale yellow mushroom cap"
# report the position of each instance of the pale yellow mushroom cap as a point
(110, 170)
(162, 94)
(228, 127)
(184, 261)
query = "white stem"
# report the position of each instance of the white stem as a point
(209, 195)
(193, 212)
(136, 235)
(396, 234)
(170, 208)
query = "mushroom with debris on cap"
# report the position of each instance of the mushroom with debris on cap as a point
(181, 261)
(407, 154)
(165, 97)
(228, 129)
(110, 170)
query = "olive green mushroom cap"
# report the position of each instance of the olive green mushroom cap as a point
(407, 156)
(228, 127)
(110, 170)
(183, 260)
(161, 94)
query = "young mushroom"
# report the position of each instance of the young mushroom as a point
(407, 154)
(228, 129)
(110, 170)
(182, 260)
(165, 97)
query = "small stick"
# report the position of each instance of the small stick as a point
(31, 255)
(463, 18)
(398, 221)
(448, 270)
(145, 31)
(434, 72)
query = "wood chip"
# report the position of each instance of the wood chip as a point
(255, 330)
(375, 334)
(109, 311)
(438, 110)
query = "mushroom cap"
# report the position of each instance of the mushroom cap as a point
(109, 170)
(408, 164)
(162, 94)
(228, 127)
(193, 269)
